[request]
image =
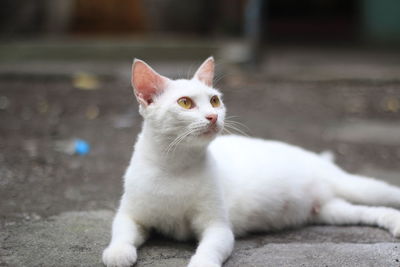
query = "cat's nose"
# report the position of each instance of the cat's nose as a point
(212, 118)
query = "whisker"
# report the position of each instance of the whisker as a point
(238, 124)
(176, 140)
(190, 71)
(192, 129)
(234, 128)
(226, 130)
(218, 78)
(181, 139)
(230, 117)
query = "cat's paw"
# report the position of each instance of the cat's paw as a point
(196, 261)
(119, 255)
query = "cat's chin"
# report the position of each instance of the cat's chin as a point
(204, 138)
(207, 136)
(210, 133)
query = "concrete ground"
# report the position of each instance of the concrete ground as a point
(56, 209)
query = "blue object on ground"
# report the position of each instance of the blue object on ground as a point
(81, 147)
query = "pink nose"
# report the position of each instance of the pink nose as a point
(212, 118)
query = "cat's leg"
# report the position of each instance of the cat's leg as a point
(126, 237)
(367, 191)
(215, 246)
(341, 212)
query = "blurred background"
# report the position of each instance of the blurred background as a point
(322, 74)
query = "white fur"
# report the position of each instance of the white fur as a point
(209, 188)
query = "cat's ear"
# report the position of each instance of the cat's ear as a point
(146, 82)
(205, 73)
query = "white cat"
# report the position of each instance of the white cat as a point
(185, 182)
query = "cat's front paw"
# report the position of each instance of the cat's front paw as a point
(196, 261)
(119, 255)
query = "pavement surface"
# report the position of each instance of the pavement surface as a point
(56, 209)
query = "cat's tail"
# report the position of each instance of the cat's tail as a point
(364, 190)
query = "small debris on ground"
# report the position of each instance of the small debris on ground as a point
(85, 81)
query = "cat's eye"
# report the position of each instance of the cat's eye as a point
(215, 101)
(185, 102)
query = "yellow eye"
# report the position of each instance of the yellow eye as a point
(185, 102)
(215, 101)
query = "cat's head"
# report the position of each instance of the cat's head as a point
(188, 111)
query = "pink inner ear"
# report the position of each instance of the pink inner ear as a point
(205, 73)
(146, 82)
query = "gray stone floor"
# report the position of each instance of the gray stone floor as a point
(56, 209)
(77, 239)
